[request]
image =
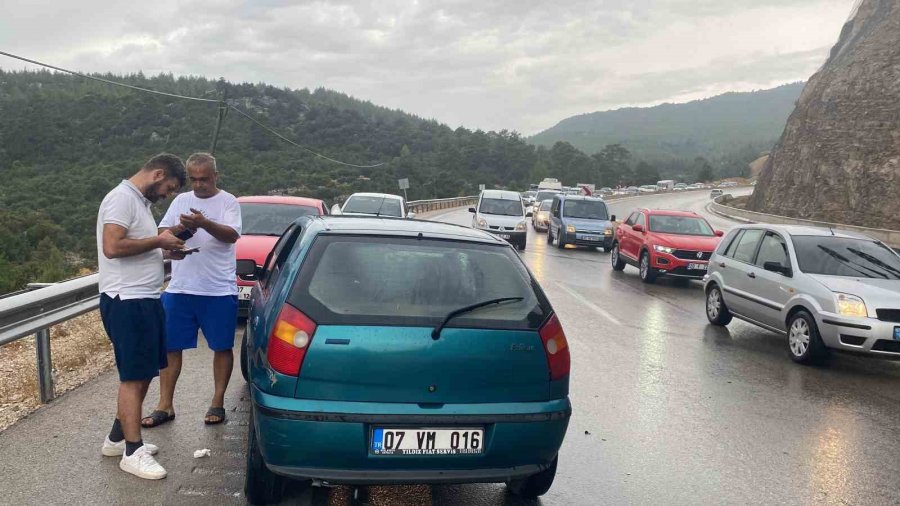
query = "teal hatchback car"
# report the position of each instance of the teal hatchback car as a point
(391, 351)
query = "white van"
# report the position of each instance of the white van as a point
(503, 214)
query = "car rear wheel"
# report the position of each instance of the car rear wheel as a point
(617, 263)
(716, 311)
(244, 365)
(535, 485)
(804, 342)
(648, 275)
(261, 486)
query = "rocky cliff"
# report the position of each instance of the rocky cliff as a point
(838, 159)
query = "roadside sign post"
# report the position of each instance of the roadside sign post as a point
(404, 185)
(481, 187)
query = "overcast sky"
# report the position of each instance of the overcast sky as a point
(520, 65)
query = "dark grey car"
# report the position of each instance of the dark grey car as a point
(823, 289)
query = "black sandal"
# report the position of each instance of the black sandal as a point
(219, 412)
(156, 418)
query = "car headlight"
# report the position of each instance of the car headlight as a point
(664, 249)
(850, 305)
(570, 229)
(482, 223)
(608, 231)
(520, 227)
(542, 216)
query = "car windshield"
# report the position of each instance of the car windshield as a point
(382, 206)
(501, 206)
(390, 280)
(842, 256)
(683, 225)
(528, 194)
(585, 209)
(270, 219)
(545, 195)
(546, 205)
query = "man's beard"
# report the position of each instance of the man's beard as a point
(153, 192)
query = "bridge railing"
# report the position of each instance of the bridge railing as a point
(424, 206)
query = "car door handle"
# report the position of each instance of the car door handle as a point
(752, 275)
(722, 264)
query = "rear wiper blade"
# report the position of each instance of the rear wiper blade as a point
(436, 333)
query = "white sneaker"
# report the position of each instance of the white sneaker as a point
(142, 464)
(111, 449)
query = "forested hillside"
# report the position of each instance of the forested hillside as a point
(716, 128)
(65, 141)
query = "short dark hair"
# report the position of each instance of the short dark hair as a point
(171, 165)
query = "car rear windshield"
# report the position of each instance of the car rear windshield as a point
(683, 225)
(545, 195)
(381, 206)
(501, 207)
(546, 205)
(362, 280)
(270, 219)
(585, 209)
(841, 256)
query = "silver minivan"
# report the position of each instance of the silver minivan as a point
(822, 288)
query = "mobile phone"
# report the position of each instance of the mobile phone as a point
(185, 234)
(188, 250)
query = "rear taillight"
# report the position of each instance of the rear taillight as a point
(291, 335)
(556, 348)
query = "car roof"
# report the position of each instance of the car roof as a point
(581, 197)
(670, 212)
(385, 195)
(500, 194)
(281, 199)
(801, 230)
(387, 226)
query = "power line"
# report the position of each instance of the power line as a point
(146, 90)
(107, 81)
(273, 132)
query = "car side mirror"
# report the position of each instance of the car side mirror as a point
(471, 209)
(529, 214)
(719, 233)
(637, 228)
(247, 269)
(336, 210)
(777, 267)
(612, 218)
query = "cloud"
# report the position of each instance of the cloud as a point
(492, 65)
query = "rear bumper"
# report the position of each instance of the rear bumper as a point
(330, 441)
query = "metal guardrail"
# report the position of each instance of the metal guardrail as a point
(887, 236)
(423, 206)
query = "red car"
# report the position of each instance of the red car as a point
(671, 243)
(264, 219)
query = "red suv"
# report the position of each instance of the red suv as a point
(263, 220)
(671, 243)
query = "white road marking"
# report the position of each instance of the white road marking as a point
(597, 309)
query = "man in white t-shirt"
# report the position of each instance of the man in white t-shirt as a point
(202, 295)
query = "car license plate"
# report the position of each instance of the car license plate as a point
(590, 238)
(424, 441)
(897, 333)
(244, 292)
(503, 236)
(697, 267)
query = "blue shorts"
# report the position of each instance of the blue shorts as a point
(216, 316)
(137, 330)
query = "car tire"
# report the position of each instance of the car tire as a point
(607, 249)
(535, 485)
(616, 258)
(648, 275)
(245, 365)
(804, 342)
(716, 311)
(261, 486)
(560, 242)
(521, 246)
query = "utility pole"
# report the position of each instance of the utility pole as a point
(223, 110)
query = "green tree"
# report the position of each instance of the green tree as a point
(644, 173)
(703, 170)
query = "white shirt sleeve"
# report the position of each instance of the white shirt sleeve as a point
(232, 215)
(117, 209)
(173, 214)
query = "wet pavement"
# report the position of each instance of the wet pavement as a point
(667, 410)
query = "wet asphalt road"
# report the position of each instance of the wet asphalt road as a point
(667, 410)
